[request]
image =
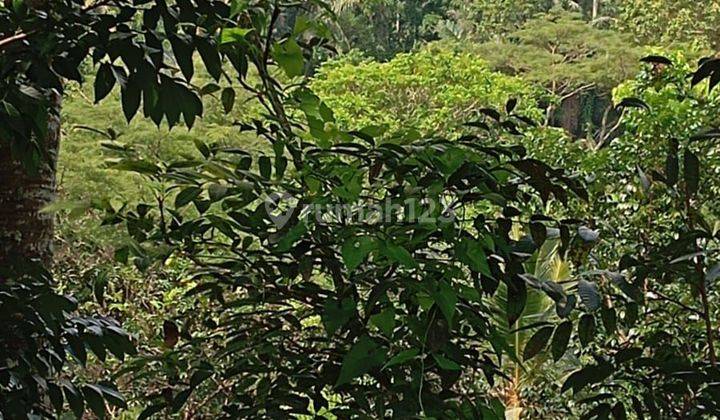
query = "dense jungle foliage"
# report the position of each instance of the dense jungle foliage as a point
(440, 209)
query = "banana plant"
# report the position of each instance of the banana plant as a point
(546, 265)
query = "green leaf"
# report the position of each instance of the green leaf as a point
(538, 231)
(446, 299)
(537, 342)
(151, 410)
(130, 98)
(631, 314)
(589, 294)
(199, 376)
(451, 160)
(399, 254)
(265, 166)
(471, 253)
(385, 321)
(402, 357)
(56, 396)
(625, 355)
(588, 375)
(111, 395)
(217, 192)
(95, 400)
(104, 81)
(210, 56)
(365, 355)
(445, 363)
(202, 148)
(180, 400)
(292, 236)
(609, 319)
(356, 249)
(618, 411)
(560, 340)
(691, 172)
(183, 52)
(209, 88)
(280, 166)
(289, 57)
(233, 35)
(74, 399)
(586, 329)
(336, 314)
(516, 300)
(186, 196)
(227, 97)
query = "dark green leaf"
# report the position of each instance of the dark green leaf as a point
(265, 166)
(446, 299)
(402, 357)
(355, 249)
(586, 376)
(561, 339)
(589, 294)
(210, 56)
(366, 354)
(385, 321)
(183, 51)
(130, 98)
(104, 81)
(691, 172)
(336, 314)
(537, 342)
(632, 103)
(586, 329)
(186, 196)
(95, 400)
(445, 363)
(228, 99)
(609, 319)
(517, 297)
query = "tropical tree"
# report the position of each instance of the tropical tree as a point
(430, 91)
(658, 318)
(671, 21)
(383, 28)
(43, 44)
(577, 63)
(345, 277)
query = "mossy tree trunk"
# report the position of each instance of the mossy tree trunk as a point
(26, 232)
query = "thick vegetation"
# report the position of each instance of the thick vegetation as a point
(402, 209)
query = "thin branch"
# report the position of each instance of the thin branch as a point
(664, 297)
(17, 37)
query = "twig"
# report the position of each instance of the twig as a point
(17, 37)
(677, 302)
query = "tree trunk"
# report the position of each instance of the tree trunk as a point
(595, 8)
(570, 114)
(25, 231)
